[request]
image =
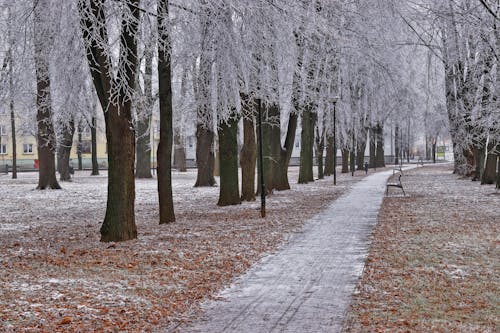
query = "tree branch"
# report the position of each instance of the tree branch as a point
(488, 8)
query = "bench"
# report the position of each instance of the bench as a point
(398, 185)
(397, 168)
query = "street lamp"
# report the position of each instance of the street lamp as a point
(261, 163)
(334, 100)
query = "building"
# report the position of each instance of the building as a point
(27, 152)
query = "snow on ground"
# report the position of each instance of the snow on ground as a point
(55, 275)
(434, 265)
(306, 286)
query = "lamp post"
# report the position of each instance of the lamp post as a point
(334, 100)
(261, 164)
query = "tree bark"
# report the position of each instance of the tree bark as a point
(11, 106)
(64, 151)
(361, 145)
(434, 150)
(143, 149)
(119, 220)
(360, 155)
(270, 147)
(93, 135)
(179, 153)
(145, 110)
(79, 147)
(352, 160)
(306, 149)
(345, 160)
(13, 133)
(320, 148)
(281, 182)
(205, 156)
(228, 151)
(46, 137)
(479, 163)
(248, 156)
(380, 160)
(164, 155)
(373, 148)
(329, 156)
(490, 167)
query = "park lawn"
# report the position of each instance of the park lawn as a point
(434, 262)
(55, 275)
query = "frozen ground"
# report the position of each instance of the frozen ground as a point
(306, 286)
(434, 263)
(55, 275)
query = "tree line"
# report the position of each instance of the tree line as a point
(212, 67)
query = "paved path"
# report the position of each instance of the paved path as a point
(306, 286)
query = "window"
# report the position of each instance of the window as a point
(3, 130)
(28, 148)
(3, 149)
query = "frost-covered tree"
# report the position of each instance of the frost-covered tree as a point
(114, 79)
(43, 41)
(464, 36)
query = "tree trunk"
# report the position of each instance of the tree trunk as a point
(490, 167)
(13, 136)
(12, 112)
(352, 160)
(320, 147)
(93, 135)
(434, 151)
(329, 156)
(164, 155)
(281, 182)
(345, 160)
(228, 151)
(46, 137)
(79, 147)
(478, 167)
(216, 159)
(361, 147)
(380, 160)
(205, 156)
(271, 145)
(306, 149)
(179, 153)
(428, 147)
(119, 221)
(64, 151)
(144, 112)
(397, 145)
(360, 156)
(143, 149)
(248, 158)
(275, 146)
(373, 148)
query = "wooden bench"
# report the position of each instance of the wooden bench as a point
(398, 185)
(397, 168)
